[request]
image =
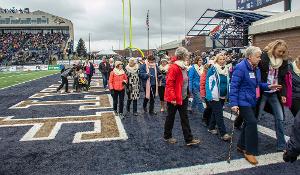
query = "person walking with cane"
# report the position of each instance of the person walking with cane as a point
(244, 92)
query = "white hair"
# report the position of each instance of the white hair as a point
(252, 50)
(181, 52)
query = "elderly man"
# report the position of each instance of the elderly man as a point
(244, 92)
(104, 68)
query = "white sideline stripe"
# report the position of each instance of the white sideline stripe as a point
(219, 167)
(262, 129)
(27, 81)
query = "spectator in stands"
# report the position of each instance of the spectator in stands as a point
(133, 87)
(149, 77)
(176, 95)
(274, 67)
(117, 82)
(104, 68)
(243, 98)
(89, 71)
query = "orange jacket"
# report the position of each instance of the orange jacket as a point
(202, 84)
(116, 81)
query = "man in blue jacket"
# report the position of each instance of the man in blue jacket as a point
(244, 92)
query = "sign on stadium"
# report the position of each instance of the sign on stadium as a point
(254, 4)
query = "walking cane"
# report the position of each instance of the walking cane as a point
(231, 140)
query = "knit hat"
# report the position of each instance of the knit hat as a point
(163, 60)
(117, 63)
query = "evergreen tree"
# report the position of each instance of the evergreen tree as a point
(80, 49)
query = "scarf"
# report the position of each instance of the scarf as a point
(132, 70)
(295, 68)
(164, 68)
(199, 69)
(275, 63)
(118, 71)
(220, 70)
(181, 64)
(148, 84)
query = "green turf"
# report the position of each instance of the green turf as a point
(13, 78)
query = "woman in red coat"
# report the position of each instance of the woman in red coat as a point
(117, 82)
(176, 96)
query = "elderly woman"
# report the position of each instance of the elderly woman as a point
(177, 98)
(273, 68)
(149, 77)
(217, 86)
(244, 92)
(133, 87)
(163, 68)
(117, 83)
(195, 73)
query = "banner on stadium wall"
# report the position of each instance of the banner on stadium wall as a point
(56, 67)
(3, 69)
(13, 68)
(30, 68)
(43, 67)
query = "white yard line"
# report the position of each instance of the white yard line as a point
(27, 81)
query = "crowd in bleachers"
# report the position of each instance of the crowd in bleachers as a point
(21, 48)
(14, 10)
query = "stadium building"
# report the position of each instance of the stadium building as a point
(35, 37)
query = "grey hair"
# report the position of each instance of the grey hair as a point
(181, 52)
(252, 50)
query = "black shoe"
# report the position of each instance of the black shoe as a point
(145, 109)
(153, 113)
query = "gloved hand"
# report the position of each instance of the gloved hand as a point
(289, 158)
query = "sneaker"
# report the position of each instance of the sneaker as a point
(153, 113)
(193, 142)
(135, 114)
(213, 131)
(162, 110)
(116, 113)
(251, 159)
(226, 137)
(171, 140)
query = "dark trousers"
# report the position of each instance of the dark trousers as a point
(207, 113)
(89, 79)
(119, 97)
(249, 137)
(295, 106)
(105, 79)
(64, 81)
(152, 96)
(134, 105)
(185, 125)
(217, 116)
(238, 121)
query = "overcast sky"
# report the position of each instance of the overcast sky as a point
(103, 18)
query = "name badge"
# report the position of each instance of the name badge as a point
(252, 75)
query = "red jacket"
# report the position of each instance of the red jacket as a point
(116, 81)
(202, 84)
(174, 83)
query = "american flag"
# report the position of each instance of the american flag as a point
(147, 20)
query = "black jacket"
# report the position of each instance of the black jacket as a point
(103, 68)
(264, 68)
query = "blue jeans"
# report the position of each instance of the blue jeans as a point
(276, 107)
(197, 103)
(249, 137)
(105, 78)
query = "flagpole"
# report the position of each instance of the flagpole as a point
(148, 33)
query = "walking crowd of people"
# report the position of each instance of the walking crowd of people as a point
(261, 80)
